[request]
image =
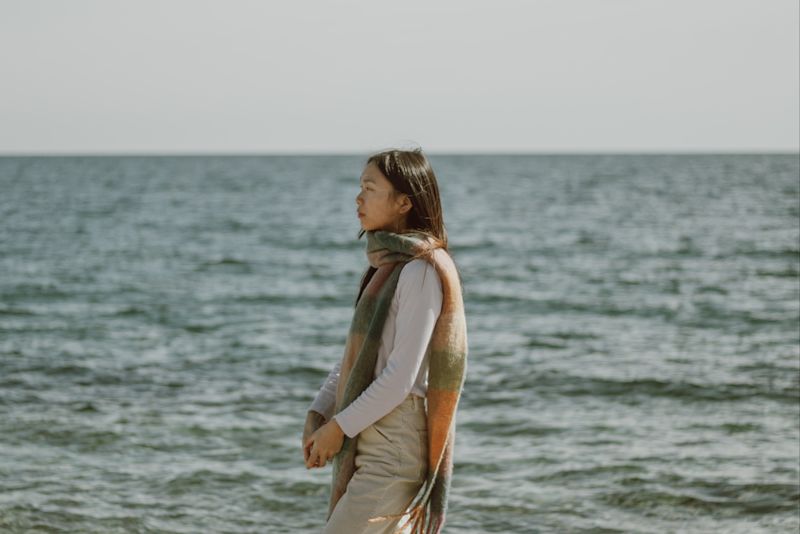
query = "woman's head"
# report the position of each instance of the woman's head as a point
(399, 193)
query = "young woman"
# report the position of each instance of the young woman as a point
(370, 414)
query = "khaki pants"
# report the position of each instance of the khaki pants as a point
(391, 466)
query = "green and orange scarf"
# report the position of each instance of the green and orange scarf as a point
(388, 252)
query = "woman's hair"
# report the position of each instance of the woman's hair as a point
(410, 173)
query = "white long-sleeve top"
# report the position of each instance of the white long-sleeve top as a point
(402, 363)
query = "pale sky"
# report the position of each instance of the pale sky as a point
(330, 76)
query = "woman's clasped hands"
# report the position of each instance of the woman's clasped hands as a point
(323, 444)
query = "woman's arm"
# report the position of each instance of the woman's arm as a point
(419, 294)
(324, 402)
(321, 409)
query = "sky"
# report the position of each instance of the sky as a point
(451, 76)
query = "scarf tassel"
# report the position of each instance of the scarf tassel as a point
(421, 519)
(416, 519)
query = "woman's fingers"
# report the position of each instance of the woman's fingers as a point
(328, 458)
(313, 457)
(323, 459)
(306, 447)
(316, 459)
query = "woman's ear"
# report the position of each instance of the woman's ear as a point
(405, 204)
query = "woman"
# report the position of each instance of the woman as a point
(406, 348)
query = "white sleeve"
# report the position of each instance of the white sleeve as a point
(419, 294)
(325, 400)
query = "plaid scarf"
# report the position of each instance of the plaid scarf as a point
(388, 252)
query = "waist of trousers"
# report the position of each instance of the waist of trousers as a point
(414, 401)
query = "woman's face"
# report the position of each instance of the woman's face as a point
(377, 210)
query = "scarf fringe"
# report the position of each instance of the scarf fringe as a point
(416, 519)
(421, 516)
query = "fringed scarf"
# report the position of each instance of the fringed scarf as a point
(388, 252)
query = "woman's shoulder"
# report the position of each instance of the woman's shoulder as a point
(419, 272)
(417, 267)
(440, 260)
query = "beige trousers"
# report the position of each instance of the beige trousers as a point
(391, 466)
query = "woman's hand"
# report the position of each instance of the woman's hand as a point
(314, 420)
(323, 444)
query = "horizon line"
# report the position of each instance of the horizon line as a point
(211, 153)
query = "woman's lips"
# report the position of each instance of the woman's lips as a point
(360, 215)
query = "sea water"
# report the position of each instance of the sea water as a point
(633, 325)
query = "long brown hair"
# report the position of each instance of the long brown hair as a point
(410, 173)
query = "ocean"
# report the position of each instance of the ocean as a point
(633, 326)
